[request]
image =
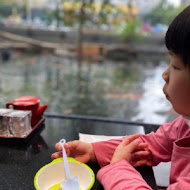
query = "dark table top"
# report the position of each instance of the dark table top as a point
(19, 161)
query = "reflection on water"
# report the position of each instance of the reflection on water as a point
(153, 107)
(130, 90)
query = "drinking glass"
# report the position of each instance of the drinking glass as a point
(19, 123)
(4, 129)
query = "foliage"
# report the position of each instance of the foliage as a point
(131, 30)
(56, 14)
(10, 2)
(105, 12)
(6, 9)
(89, 12)
(163, 13)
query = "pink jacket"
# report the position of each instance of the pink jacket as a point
(171, 142)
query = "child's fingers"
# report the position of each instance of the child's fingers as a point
(133, 137)
(142, 146)
(58, 147)
(70, 147)
(56, 155)
(140, 163)
(129, 139)
(139, 154)
(133, 145)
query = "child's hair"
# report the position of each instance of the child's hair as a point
(177, 38)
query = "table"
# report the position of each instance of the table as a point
(19, 162)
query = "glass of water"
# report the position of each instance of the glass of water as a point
(19, 123)
(4, 128)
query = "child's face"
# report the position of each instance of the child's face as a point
(177, 86)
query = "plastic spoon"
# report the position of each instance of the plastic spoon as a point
(69, 183)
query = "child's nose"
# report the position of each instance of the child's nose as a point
(165, 75)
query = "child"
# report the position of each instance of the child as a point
(171, 142)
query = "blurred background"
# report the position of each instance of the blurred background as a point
(89, 57)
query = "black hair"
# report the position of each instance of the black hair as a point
(177, 37)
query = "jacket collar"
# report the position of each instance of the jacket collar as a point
(187, 120)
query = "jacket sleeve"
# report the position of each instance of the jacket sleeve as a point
(181, 184)
(104, 150)
(160, 143)
(121, 175)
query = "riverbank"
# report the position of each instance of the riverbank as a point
(94, 43)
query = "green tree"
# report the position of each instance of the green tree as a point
(80, 13)
(6, 7)
(56, 14)
(163, 13)
(130, 29)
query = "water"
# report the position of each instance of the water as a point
(130, 90)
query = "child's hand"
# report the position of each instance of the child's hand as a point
(141, 156)
(79, 150)
(131, 149)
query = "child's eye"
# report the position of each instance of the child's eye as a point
(175, 68)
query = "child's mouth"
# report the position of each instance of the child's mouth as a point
(167, 97)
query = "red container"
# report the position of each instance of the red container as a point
(31, 103)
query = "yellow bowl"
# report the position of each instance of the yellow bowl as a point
(52, 174)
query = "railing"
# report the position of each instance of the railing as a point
(147, 126)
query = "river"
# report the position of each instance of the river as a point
(127, 90)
